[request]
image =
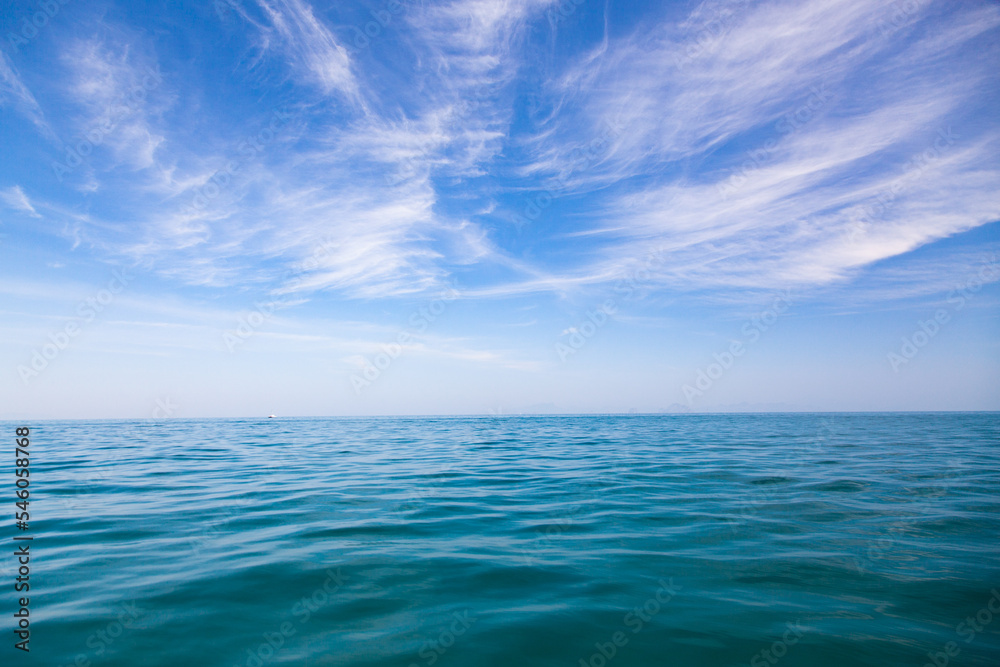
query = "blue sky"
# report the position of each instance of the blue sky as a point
(244, 207)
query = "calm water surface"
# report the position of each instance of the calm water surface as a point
(828, 539)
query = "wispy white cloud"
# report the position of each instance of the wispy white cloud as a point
(471, 48)
(363, 239)
(362, 189)
(15, 198)
(116, 93)
(437, 348)
(310, 47)
(14, 93)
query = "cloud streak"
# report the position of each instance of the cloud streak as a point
(15, 198)
(14, 93)
(800, 115)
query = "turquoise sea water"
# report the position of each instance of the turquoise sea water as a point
(709, 540)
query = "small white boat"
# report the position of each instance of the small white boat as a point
(271, 416)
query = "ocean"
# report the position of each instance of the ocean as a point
(706, 540)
